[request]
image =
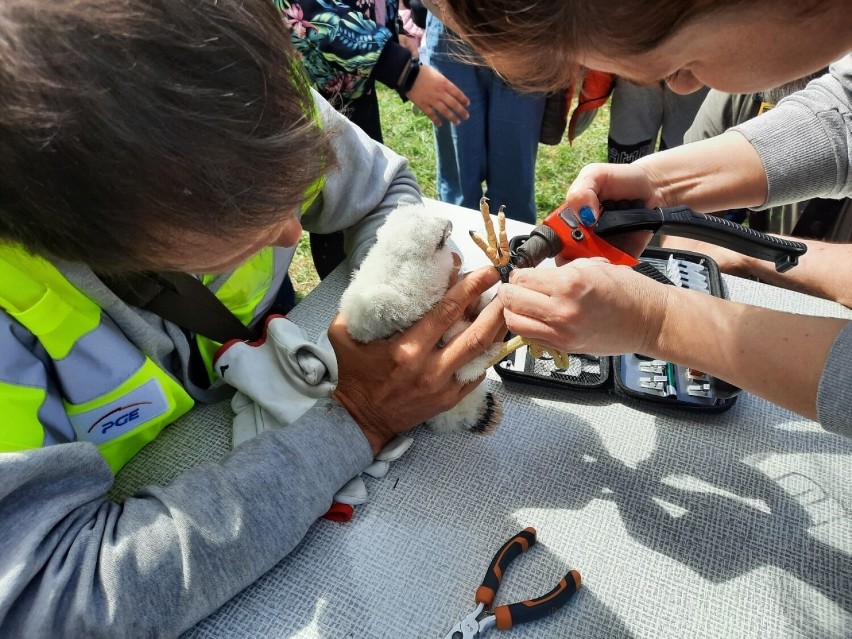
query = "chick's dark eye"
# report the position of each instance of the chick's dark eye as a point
(441, 243)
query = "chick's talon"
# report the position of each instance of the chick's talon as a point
(488, 250)
(560, 359)
(504, 240)
(497, 251)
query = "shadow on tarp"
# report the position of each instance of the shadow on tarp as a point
(321, 608)
(408, 564)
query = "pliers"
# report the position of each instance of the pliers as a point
(505, 616)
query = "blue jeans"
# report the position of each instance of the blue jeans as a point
(497, 145)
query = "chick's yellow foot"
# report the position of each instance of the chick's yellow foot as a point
(560, 358)
(498, 253)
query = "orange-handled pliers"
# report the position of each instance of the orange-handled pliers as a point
(505, 616)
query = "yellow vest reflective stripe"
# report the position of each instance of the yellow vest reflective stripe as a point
(119, 421)
(20, 412)
(162, 396)
(40, 298)
(242, 292)
(246, 288)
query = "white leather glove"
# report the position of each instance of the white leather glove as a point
(278, 377)
(354, 492)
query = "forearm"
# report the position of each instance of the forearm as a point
(396, 185)
(392, 64)
(805, 140)
(798, 150)
(593, 307)
(170, 555)
(777, 356)
(824, 271)
(720, 173)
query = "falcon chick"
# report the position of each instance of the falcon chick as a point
(402, 277)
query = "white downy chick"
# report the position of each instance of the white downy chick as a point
(402, 277)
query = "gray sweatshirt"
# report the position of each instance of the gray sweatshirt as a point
(805, 144)
(74, 564)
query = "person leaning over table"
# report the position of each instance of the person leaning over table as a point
(800, 149)
(174, 136)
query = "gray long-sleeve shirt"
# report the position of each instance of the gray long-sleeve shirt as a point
(805, 144)
(74, 564)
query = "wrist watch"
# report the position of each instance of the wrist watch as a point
(408, 77)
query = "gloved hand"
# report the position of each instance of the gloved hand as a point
(354, 492)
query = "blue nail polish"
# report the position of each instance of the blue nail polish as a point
(587, 216)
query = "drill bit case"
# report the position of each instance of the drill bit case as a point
(634, 376)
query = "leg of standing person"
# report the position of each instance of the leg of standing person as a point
(327, 248)
(679, 113)
(514, 125)
(460, 150)
(636, 115)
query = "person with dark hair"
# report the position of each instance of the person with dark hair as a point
(172, 149)
(346, 47)
(413, 15)
(798, 150)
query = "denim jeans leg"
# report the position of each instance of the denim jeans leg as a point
(514, 124)
(460, 150)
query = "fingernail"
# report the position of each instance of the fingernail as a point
(587, 216)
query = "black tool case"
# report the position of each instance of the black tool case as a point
(635, 376)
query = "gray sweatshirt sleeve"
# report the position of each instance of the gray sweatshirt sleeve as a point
(834, 397)
(370, 182)
(805, 142)
(77, 565)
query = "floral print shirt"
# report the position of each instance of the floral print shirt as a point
(341, 42)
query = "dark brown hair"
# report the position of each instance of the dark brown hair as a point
(536, 44)
(123, 123)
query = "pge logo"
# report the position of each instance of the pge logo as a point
(124, 417)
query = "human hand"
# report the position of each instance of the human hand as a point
(436, 96)
(598, 183)
(587, 306)
(391, 385)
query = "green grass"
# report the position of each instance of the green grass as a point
(411, 136)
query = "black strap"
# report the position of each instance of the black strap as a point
(181, 299)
